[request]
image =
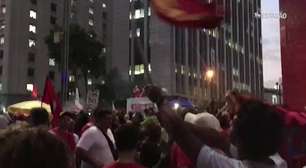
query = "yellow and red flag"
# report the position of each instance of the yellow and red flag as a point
(189, 13)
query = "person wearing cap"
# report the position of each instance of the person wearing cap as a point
(257, 134)
(64, 131)
(178, 158)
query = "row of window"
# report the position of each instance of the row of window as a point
(30, 71)
(32, 42)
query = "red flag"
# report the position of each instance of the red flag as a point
(49, 93)
(53, 100)
(34, 92)
(57, 111)
(188, 13)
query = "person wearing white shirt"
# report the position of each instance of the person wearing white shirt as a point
(257, 134)
(96, 146)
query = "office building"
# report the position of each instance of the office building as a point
(199, 63)
(24, 26)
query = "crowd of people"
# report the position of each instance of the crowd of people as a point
(245, 133)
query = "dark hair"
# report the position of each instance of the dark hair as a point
(39, 117)
(127, 137)
(68, 114)
(149, 153)
(153, 132)
(82, 119)
(32, 147)
(99, 114)
(258, 130)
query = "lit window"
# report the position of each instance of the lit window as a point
(30, 87)
(1, 40)
(274, 99)
(149, 11)
(91, 22)
(32, 28)
(1, 86)
(139, 69)
(71, 78)
(2, 26)
(104, 5)
(32, 43)
(139, 13)
(104, 50)
(89, 82)
(149, 68)
(33, 14)
(3, 9)
(138, 32)
(51, 62)
(91, 11)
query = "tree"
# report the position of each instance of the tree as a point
(84, 53)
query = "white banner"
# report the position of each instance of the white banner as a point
(138, 104)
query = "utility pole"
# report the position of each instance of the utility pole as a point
(146, 42)
(65, 51)
(132, 36)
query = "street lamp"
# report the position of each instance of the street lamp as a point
(210, 74)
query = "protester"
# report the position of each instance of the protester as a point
(65, 130)
(96, 146)
(39, 117)
(32, 148)
(150, 150)
(257, 132)
(178, 157)
(127, 139)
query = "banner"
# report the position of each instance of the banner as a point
(138, 104)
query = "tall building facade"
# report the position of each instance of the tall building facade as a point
(25, 24)
(293, 48)
(178, 59)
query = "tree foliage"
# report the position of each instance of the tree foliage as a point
(84, 51)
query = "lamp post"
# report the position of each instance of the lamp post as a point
(209, 75)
